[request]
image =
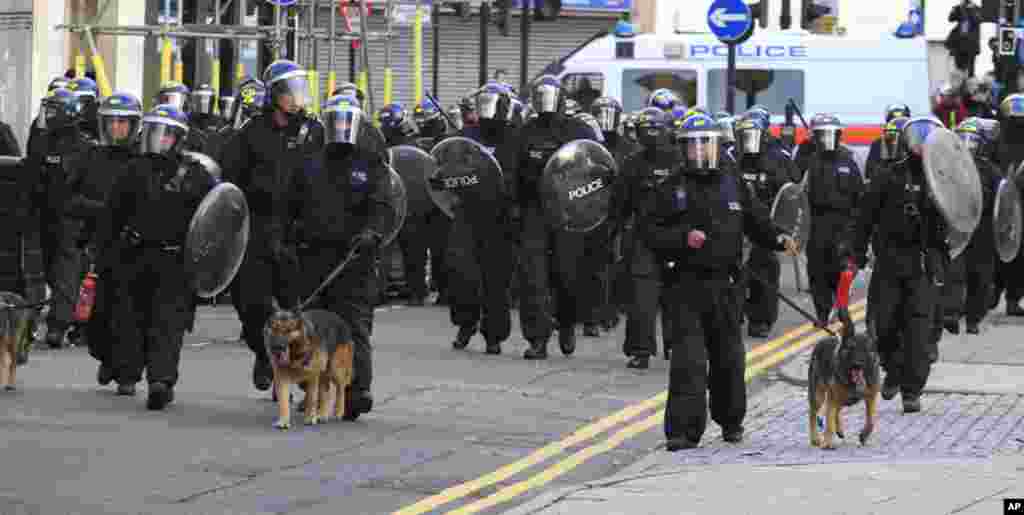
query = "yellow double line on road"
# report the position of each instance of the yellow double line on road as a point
(765, 356)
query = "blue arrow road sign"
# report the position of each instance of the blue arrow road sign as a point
(729, 19)
(282, 3)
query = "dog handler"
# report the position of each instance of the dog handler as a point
(696, 230)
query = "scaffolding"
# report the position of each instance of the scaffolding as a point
(306, 40)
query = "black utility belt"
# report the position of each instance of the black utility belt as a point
(135, 240)
(682, 268)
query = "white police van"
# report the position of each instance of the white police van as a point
(852, 78)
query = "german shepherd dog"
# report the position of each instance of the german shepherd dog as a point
(15, 336)
(314, 350)
(843, 371)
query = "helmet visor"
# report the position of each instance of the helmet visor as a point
(119, 130)
(291, 94)
(545, 98)
(227, 106)
(202, 102)
(489, 106)
(750, 141)
(916, 133)
(890, 148)
(728, 130)
(343, 125)
(607, 118)
(174, 98)
(161, 136)
(827, 138)
(702, 150)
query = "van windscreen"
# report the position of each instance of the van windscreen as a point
(770, 88)
(638, 84)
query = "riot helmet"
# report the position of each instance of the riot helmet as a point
(664, 99)
(226, 105)
(429, 119)
(494, 102)
(201, 100)
(695, 110)
(251, 99)
(174, 94)
(58, 83)
(589, 120)
(827, 132)
(608, 112)
(546, 95)
(395, 122)
(59, 109)
(120, 120)
(1012, 107)
(164, 130)
(629, 126)
(896, 111)
(343, 121)
(750, 132)
(519, 111)
(572, 107)
(88, 98)
(348, 88)
(654, 128)
(289, 87)
(702, 140)
(728, 124)
(916, 132)
(893, 147)
(971, 135)
(455, 115)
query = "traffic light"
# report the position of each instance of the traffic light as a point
(500, 11)
(760, 11)
(813, 11)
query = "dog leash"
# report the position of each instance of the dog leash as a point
(330, 278)
(790, 302)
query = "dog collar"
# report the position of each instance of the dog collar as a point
(308, 360)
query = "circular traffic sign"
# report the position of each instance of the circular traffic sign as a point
(282, 3)
(730, 20)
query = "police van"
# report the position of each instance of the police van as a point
(852, 78)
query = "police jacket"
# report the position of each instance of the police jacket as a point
(717, 204)
(505, 149)
(8, 144)
(766, 172)
(981, 248)
(539, 139)
(835, 189)
(874, 162)
(336, 197)
(908, 223)
(91, 183)
(51, 157)
(152, 202)
(263, 159)
(21, 261)
(634, 198)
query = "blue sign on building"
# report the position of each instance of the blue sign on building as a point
(729, 19)
(282, 3)
(589, 5)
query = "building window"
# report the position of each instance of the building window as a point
(637, 86)
(584, 88)
(769, 88)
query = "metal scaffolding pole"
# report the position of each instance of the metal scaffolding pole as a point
(364, 13)
(388, 77)
(332, 74)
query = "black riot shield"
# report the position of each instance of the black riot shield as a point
(207, 162)
(398, 198)
(1007, 220)
(217, 239)
(957, 242)
(953, 181)
(575, 187)
(791, 212)
(414, 166)
(470, 173)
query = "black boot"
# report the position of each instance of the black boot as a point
(639, 362)
(567, 340)
(462, 339)
(538, 350)
(891, 386)
(493, 346)
(755, 330)
(591, 330)
(126, 389)
(911, 403)
(682, 443)
(972, 328)
(160, 395)
(1013, 308)
(357, 402)
(262, 374)
(55, 338)
(105, 374)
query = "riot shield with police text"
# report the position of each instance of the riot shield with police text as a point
(953, 181)
(791, 212)
(398, 199)
(208, 163)
(576, 186)
(1007, 220)
(414, 166)
(217, 239)
(468, 174)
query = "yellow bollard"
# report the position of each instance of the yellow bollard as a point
(101, 75)
(179, 71)
(387, 85)
(166, 57)
(417, 56)
(314, 91)
(332, 82)
(363, 86)
(215, 84)
(80, 66)
(239, 73)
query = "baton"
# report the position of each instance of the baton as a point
(439, 108)
(330, 278)
(791, 303)
(799, 114)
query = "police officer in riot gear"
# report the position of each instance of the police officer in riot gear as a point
(765, 170)
(1010, 156)
(175, 94)
(432, 130)
(548, 256)
(665, 99)
(879, 153)
(343, 204)
(835, 189)
(91, 183)
(912, 246)
(204, 125)
(226, 106)
(262, 160)
(152, 202)
(397, 125)
(696, 228)
(643, 172)
(480, 246)
(88, 98)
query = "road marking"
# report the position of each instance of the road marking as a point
(586, 433)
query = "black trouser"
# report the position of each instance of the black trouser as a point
(480, 260)
(703, 307)
(965, 62)
(414, 239)
(823, 269)
(952, 295)
(439, 225)
(99, 334)
(65, 274)
(350, 296)
(646, 297)
(762, 301)
(261, 278)
(596, 275)
(152, 310)
(550, 260)
(903, 316)
(980, 267)
(1012, 279)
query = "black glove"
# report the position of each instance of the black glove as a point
(367, 239)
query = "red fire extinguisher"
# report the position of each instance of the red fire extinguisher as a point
(86, 297)
(843, 292)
